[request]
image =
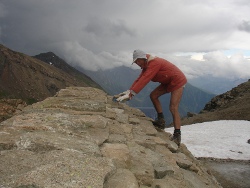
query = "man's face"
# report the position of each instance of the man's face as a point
(141, 63)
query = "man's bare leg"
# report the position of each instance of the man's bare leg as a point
(174, 107)
(154, 96)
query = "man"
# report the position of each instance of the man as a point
(171, 79)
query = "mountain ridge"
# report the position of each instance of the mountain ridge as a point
(54, 60)
(231, 105)
(216, 85)
(25, 77)
(31, 80)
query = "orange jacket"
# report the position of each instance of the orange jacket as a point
(162, 71)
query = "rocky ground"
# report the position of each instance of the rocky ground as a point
(80, 138)
(8, 107)
(234, 104)
(229, 173)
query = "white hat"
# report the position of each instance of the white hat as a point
(138, 54)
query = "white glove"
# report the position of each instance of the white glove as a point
(124, 96)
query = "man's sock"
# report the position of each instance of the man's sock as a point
(160, 115)
(177, 131)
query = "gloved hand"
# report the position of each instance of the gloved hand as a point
(124, 96)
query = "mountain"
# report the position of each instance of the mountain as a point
(24, 79)
(119, 79)
(51, 59)
(215, 85)
(231, 105)
(28, 78)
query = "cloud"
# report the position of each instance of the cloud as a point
(2, 10)
(79, 56)
(105, 27)
(2, 15)
(215, 64)
(97, 34)
(245, 26)
(228, 67)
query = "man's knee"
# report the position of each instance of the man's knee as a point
(153, 96)
(173, 109)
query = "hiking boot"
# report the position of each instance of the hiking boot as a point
(176, 137)
(159, 123)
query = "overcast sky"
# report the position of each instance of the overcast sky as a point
(201, 37)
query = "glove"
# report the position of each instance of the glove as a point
(124, 96)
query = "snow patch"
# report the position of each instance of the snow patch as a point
(225, 139)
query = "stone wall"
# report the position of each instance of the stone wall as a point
(81, 138)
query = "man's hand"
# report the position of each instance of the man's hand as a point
(124, 96)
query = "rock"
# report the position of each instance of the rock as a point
(191, 114)
(110, 113)
(162, 171)
(182, 161)
(134, 121)
(172, 146)
(10, 107)
(123, 178)
(81, 138)
(119, 153)
(117, 138)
